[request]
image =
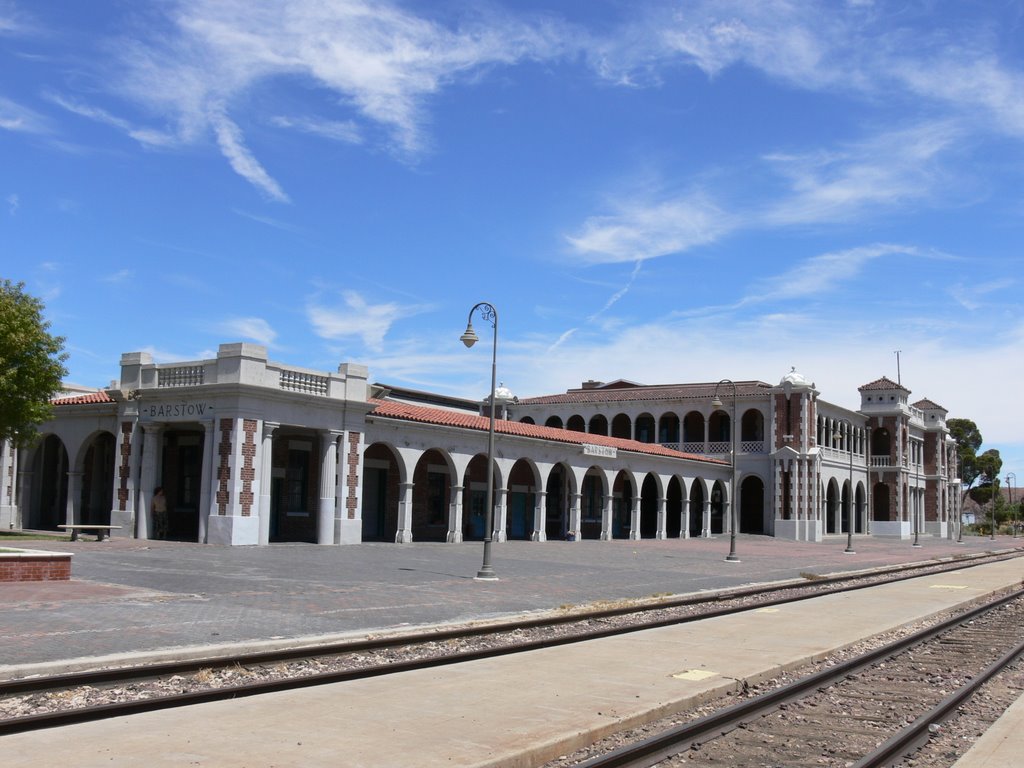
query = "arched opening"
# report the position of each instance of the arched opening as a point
(693, 432)
(649, 508)
(696, 509)
(674, 509)
(719, 434)
(527, 420)
(181, 476)
(718, 499)
(556, 503)
(598, 425)
(431, 497)
(49, 502)
(880, 503)
(576, 424)
(622, 506)
(380, 493)
(752, 427)
(860, 517)
(643, 429)
(522, 500)
(831, 507)
(474, 500)
(844, 509)
(752, 505)
(97, 497)
(881, 442)
(553, 421)
(622, 427)
(591, 504)
(668, 429)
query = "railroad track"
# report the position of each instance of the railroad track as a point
(390, 655)
(867, 712)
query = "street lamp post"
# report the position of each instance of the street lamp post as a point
(849, 512)
(717, 403)
(1011, 477)
(469, 338)
(995, 491)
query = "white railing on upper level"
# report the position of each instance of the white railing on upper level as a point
(693, 447)
(753, 446)
(180, 376)
(299, 381)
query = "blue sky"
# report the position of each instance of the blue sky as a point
(657, 191)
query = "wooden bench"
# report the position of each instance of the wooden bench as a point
(101, 531)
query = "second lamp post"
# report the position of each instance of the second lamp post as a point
(469, 338)
(717, 403)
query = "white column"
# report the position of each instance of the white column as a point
(606, 517)
(706, 519)
(73, 508)
(661, 533)
(266, 478)
(205, 479)
(455, 516)
(500, 532)
(540, 524)
(574, 516)
(149, 481)
(404, 533)
(328, 486)
(634, 520)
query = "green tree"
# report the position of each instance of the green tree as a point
(990, 464)
(968, 440)
(31, 363)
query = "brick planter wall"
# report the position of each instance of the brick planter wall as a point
(35, 566)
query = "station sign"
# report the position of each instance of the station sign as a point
(172, 410)
(604, 451)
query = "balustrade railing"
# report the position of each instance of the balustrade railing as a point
(180, 376)
(299, 381)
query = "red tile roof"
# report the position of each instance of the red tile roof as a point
(927, 405)
(424, 415)
(91, 397)
(705, 391)
(882, 383)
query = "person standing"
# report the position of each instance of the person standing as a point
(159, 513)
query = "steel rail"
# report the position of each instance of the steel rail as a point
(652, 750)
(160, 669)
(918, 732)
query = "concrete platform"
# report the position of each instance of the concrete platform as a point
(517, 711)
(156, 599)
(1002, 745)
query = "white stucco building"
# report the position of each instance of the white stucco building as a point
(251, 451)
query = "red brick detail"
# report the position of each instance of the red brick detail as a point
(248, 471)
(124, 471)
(352, 478)
(224, 467)
(35, 568)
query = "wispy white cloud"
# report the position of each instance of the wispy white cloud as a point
(336, 130)
(144, 136)
(15, 117)
(254, 328)
(357, 318)
(13, 203)
(862, 48)
(641, 230)
(823, 273)
(380, 61)
(121, 276)
(229, 137)
(970, 296)
(881, 172)
(268, 220)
